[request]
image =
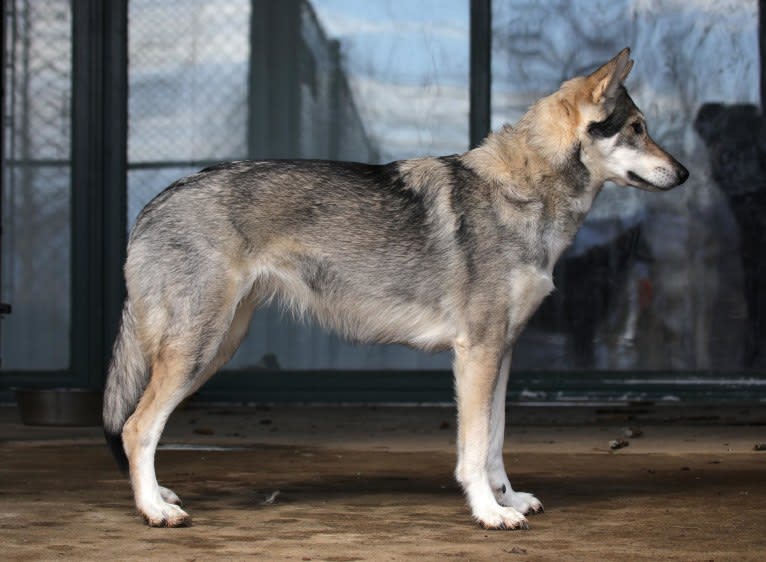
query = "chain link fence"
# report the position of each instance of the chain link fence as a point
(36, 241)
(674, 299)
(188, 74)
(204, 88)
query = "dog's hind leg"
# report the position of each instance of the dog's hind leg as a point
(476, 377)
(498, 477)
(177, 372)
(237, 330)
(141, 433)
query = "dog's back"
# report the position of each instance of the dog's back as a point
(350, 243)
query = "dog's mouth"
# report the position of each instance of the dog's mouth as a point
(642, 183)
(670, 179)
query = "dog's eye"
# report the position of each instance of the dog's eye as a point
(638, 128)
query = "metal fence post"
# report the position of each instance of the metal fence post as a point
(480, 71)
(99, 132)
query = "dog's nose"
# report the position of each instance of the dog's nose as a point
(683, 174)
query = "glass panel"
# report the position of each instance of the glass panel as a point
(653, 281)
(406, 63)
(188, 68)
(365, 81)
(402, 92)
(36, 192)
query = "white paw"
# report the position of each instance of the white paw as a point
(526, 503)
(500, 517)
(170, 496)
(520, 501)
(162, 514)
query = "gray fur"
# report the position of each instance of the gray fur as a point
(128, 374)
(453, 253)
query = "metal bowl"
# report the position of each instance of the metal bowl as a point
(59, 406)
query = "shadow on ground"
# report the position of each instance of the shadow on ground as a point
(68, 501)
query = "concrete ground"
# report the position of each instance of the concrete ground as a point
(375, 483)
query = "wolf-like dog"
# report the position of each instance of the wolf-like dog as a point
(454, 252)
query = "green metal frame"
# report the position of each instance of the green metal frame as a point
(480, 82)
(99, 164)
(436, 386)
(99, 202)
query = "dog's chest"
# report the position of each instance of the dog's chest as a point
(555, 244)
(529, 286)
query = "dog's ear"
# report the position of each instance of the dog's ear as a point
(606, 80)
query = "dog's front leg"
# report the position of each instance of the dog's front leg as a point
(476, 374)
(498, 477)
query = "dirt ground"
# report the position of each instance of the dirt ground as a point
(364, 483)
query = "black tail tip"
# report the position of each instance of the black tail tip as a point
(114, 441)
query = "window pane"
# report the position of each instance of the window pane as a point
(366, 81)
(188, 65)
(407, 65)
(36, 192)
(653, 281)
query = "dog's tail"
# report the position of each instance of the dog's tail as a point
(125, 383)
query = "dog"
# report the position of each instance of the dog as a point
(452, 252)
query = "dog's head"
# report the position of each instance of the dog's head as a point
(612, 132)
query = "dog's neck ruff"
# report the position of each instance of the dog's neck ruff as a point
(512, 161)
(558, 187)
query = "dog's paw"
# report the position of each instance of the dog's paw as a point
(525, 503)
(499, 517)
(165, 515)
(520, 501)
(170, 496)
